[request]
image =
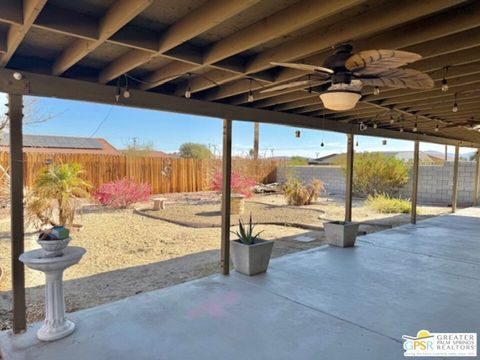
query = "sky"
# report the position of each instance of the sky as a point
(167, 131)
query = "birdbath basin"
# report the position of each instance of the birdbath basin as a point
(55, 326)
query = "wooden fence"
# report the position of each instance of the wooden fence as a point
(164, 174)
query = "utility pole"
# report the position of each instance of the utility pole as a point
(256, 131)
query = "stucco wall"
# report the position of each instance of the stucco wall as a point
(434, 182)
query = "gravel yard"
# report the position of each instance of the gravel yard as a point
(129, 253)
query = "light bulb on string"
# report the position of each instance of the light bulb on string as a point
(322, 144)
(126, 91)
(188, 92)
(415, 125)
(436, 128)
(375, 125)
(376, 90)
(444, 81)
(455, 105)
(250, 94)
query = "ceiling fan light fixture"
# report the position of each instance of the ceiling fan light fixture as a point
(340, 100)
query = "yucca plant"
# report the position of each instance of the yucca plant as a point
(245, 233)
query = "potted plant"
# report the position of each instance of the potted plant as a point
(341, 233)
(53, 241)
(250, 254)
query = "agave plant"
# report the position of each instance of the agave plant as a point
(245, 233)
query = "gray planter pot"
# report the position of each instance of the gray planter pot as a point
(251, 259)
(341, 233)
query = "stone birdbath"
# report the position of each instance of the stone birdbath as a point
(55, 326)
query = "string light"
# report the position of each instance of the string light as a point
(415, 125)
(401, 129)
(322, 144)
(375, 125)
(297, 133)
(455, 105)
(444, 81)
(384, 142)
(126, 92)
(117, 91)
(250, 94)
(376, 91)
(356, 144)
(436, 128)
(188, 91)
(392, 120)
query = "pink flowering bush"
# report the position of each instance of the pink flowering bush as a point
(240, 184)
(119, 194)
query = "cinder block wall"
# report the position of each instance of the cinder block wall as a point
(434, 182)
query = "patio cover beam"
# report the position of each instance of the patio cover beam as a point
(416, 156)
(116, 17)
(16, 32)
(226, 194)
(191, 25)
(15, 115)
(349, 177)
(64, 88)
(367, 23)
(283, 22)
(455, 179)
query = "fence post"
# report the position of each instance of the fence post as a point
(226, 193)
(15, 107)
(455, 180)
(349, 178)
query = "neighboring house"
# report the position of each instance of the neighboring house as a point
(62, 144)
(335, 159)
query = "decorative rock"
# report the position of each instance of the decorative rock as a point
(55, 326)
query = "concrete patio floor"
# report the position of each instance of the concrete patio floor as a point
(325, 303)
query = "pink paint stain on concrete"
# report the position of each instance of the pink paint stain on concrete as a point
(216, 306)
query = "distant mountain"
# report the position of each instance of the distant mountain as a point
(450, 156)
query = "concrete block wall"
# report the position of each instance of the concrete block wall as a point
(332, 176)
(434, 182)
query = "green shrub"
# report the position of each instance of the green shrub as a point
(297, 161)
(376, 173)
(297, 194)
(385, 204)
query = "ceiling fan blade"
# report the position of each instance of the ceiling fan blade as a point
(286, 86)
(398, 78)
(304, 67)
(380, 59)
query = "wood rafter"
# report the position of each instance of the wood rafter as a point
(205, 17)
(16, 33)
(278, 24)
(120, 13)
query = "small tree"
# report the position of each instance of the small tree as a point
(195, 151)
(377, 173)
(120, 194)
(57, 189)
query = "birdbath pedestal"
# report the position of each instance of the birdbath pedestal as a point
(55, 326)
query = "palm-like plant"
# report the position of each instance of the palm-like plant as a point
(61, 185)
(245, 234)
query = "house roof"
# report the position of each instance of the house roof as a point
(62, 144)
(224, 52)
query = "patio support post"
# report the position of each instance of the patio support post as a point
(349, 178)
(226, 193)
(16, 190)
(477, 179)
(416, 155)
(455, 180)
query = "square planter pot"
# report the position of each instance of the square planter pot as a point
(251, 259)
(341, 233)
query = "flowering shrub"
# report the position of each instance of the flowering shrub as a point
(119, 194)
(240, 184)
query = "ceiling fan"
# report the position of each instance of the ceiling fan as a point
(345, 73)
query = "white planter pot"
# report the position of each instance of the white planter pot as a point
(53, 248)
(251, 259)
(341, 233)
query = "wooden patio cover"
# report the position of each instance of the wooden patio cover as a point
(220, 52)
